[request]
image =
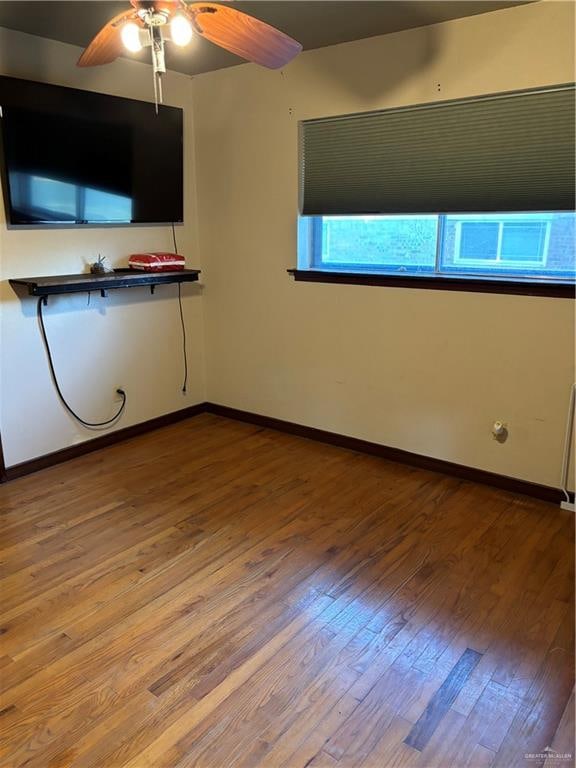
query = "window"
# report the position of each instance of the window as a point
(518, 246)
(498, 169)
(387, 243)
(516, 240)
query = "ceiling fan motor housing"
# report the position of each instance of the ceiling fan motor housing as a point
(153, 18)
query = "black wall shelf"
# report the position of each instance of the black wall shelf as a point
(120, 278)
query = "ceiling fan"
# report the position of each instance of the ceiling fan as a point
(151, 23)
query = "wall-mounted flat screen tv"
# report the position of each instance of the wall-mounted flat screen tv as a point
(73, 157)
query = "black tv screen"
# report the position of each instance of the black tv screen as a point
(77, 157)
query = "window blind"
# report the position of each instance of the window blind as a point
(509, 152)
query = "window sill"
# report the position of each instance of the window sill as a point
(562, 290)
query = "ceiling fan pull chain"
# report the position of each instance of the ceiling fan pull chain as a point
(155, 92)
(158, 61)
(160, 88)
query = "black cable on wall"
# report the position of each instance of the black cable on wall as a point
(185, 384)
(57, 385)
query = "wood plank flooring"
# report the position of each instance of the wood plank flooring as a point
(216, 594)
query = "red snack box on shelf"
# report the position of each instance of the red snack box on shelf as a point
(156, 262)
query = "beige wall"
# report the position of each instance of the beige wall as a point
(130, 339)
(424, 371)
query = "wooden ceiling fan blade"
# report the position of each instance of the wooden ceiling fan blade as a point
(107, 45)
(243, 35)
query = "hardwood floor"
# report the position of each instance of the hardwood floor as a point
(215, 594)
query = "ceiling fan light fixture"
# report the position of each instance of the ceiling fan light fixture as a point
(131, 37)
(180, 30)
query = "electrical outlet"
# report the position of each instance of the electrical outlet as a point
(500, 431)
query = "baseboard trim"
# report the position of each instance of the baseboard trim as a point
(102, 441)
(512, 484)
